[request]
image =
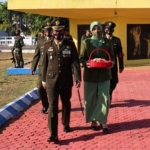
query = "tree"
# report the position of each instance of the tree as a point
(3, 12)
(29, 23)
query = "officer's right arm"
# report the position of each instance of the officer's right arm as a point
(45, 66)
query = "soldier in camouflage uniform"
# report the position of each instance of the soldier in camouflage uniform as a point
(37, 60)
(17, 50)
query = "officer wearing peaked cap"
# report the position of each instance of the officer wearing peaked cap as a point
(60, 59)
(67, 35)
(47, 30)
(110, 24)
(117, 48)
(37, 61)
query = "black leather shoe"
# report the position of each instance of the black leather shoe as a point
(53, 138)
(105, 130)
(66, 129)
(44, 110)
(94, 128)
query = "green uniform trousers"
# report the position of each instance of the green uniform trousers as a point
(53, 96)
(97, 101)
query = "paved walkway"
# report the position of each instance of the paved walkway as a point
(129, 122)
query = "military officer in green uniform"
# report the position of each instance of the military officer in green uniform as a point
(60, 58)
(117, 49)
(37, 61)
(17, 50)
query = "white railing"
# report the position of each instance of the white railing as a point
(9, 40)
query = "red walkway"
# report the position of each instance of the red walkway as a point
(129, 122)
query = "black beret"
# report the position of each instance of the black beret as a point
(109, 24)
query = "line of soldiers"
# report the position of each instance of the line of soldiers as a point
(57, 59)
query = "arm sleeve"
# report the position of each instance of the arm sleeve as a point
(36, 58)
(83, 54)
(76, 63)
(21, 42)
(120, 55)
(111, 52)
(45, 65)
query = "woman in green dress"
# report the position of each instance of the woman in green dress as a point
(96, 80)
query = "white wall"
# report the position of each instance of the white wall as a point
(9, 40)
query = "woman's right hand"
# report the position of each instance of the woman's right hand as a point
(88, 65)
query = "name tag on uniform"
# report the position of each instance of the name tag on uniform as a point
(50, 49)
(66, 51)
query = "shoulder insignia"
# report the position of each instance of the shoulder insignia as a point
(109, 23)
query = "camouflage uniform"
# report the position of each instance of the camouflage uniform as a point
(17, 51)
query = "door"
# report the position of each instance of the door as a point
(81, 31)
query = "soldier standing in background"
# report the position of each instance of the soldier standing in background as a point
(48, 35)
(59, 59)
(17, 50)
(87, 34)
(117, 48)
(48, 29)
(67, 35)
(37, 60)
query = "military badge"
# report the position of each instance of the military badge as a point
(51, 56)
(68, 47)
(57, 22)
(109, 23)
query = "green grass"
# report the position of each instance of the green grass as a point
(12, 87)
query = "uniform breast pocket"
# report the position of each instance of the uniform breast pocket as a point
(50, 75)
(51, 55)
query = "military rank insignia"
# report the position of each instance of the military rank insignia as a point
(66, 53)
(68, 47)
(51, 56)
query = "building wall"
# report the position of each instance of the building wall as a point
(122, 12)
(120, 31)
